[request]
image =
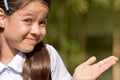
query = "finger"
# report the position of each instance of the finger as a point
(107, 60)
(106, 63)
(90, 60)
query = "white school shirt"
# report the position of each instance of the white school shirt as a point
(14, 69)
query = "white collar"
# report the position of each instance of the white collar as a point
(16, 64)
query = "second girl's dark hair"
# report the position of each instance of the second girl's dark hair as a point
(37, 63)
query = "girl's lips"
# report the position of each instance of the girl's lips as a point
(32, 40)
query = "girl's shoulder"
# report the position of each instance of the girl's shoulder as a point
(51, 50)
(54, 56)
(57, 65)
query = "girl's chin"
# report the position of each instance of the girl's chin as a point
(26, 50)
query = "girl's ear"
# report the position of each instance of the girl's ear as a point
(2, 18)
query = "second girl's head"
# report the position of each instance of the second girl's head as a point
(23, 23)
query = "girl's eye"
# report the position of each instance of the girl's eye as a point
(43, 23)
(28, 20)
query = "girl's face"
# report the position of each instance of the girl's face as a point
(26, 27)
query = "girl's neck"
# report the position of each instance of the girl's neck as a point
(6, 53)
(6, 56)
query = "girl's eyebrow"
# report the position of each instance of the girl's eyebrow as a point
(29, 14)
(34, 15)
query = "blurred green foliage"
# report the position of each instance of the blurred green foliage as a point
(79, 29)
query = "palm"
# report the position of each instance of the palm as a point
(90, 71)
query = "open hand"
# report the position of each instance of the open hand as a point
(90, 71)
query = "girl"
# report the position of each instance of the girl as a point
(23, 56)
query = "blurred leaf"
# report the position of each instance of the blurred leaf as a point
(79, 5)
(116, 5)
(82, 6)
(104, 3)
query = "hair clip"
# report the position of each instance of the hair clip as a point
(6, 5)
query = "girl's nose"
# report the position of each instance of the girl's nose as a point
(35, 30)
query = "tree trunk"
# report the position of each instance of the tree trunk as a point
(116, 52)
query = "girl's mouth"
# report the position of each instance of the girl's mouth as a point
(32, 40)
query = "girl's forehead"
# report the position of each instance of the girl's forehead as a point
(36, 6)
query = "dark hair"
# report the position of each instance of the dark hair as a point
(15, 5)
(37, 63)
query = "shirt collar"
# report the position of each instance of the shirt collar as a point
(2, 66)
(17, 62)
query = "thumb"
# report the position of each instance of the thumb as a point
(90, 60)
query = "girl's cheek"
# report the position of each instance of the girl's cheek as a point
(24, 29)
(44, 32)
